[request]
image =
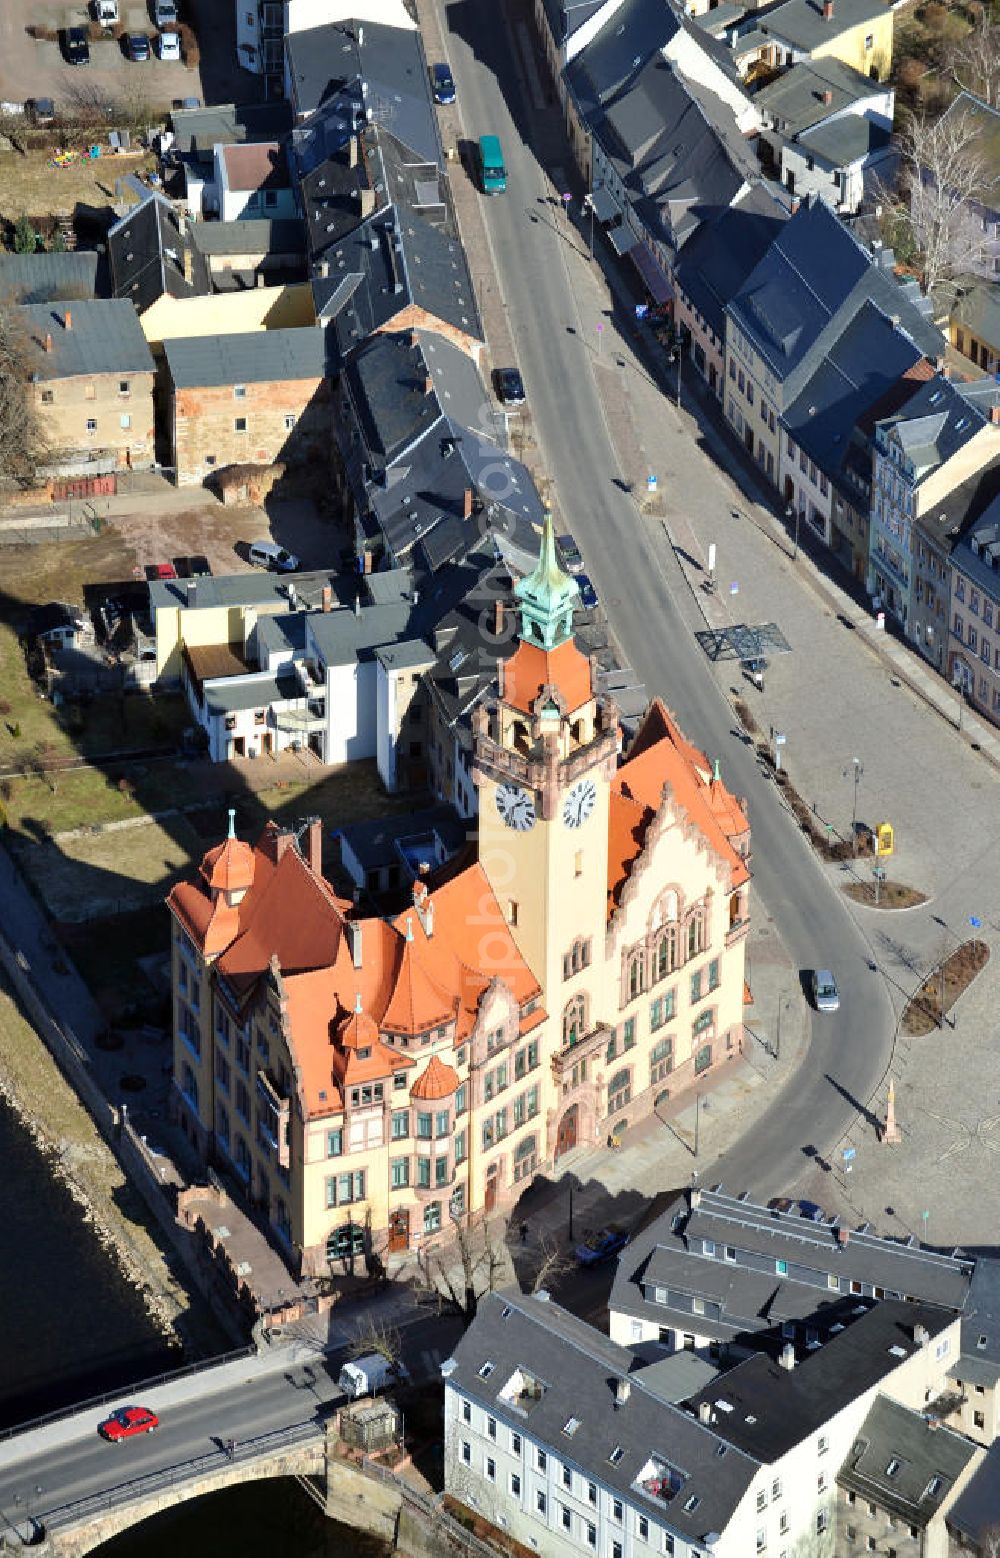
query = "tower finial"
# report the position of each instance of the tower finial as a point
(409, 927)
(547, 595)
(717, 773)
(232, 822)
(357, 1002)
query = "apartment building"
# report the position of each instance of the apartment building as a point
(973, 614)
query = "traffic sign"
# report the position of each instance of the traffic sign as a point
(734, 588)
(849, 1153)
(651, 483)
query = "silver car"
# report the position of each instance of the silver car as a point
(826, 997)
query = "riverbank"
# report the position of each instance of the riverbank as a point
(80, 1159)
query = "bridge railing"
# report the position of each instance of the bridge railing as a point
(79, 1510)
(139, 1388)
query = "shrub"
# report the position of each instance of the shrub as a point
(934, 16)
(190, 52)
(911, 73)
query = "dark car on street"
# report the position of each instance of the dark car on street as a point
(197, 567)
(76, 49)
(588, 595)
(569, 553)
(137, 47)
(600, 1246)
(510, 386)
(442, 84)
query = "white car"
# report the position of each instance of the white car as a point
(168, 45)
(826, 997)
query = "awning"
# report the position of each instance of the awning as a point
(647, 265)
(604, 205)
(622, 238)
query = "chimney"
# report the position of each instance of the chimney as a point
(787, 1357)
(843, 1235)
(794, 207)
(354, 935)
(921, 1335)
(327, 598)
(192, 592)
(352, 152)
(467, 503)
(827, 97)
(67, 320)
(367, 202)
(704, 1411)
(623, 1389)
(995, 415)
(498, 612)
(188, 264)
(695, 1199)
(282, 842)
(828, 10)
(314, 845)
(48, 342)
(428, 384)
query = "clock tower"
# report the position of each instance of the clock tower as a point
(544, 753)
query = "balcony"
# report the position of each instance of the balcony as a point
(659, 1481)
(273, 1117)
(592, 1044)
(522, 1391)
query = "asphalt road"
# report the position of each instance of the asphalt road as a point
(528, 235)
(81, 1464)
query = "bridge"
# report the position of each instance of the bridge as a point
(64, 1490)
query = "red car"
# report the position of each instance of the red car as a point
(127, 1422)
(156, 571)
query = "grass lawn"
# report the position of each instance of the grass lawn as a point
(110, 872)
(107, 952)
(28, 184)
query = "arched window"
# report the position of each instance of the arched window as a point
(665, 952)
(695, 933)
(635, 974)
(526, 1158)
(574, 1020)
(735, 910)
(661, 1061)
(345, 1242)
(619, 1091)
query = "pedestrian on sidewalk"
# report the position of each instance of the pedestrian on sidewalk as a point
(524, 1233)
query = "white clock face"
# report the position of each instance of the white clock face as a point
(579, 803)
(516, 807)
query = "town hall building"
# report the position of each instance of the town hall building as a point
(368, 1079)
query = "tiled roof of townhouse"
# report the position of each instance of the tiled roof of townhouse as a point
(578, 1370)
(200, 130)
(250, 235)
(45, 278)
(95, 335)
(844, 141)
(146, 250)
(974, 1513)
(760, 1265)
(797, 99)
(255, 165)
(633, 37)
(391, 262)
(904, 1463)
(246, 357)
(717, 259)
(807, 287)
(940, 418)
(566, 17)
(806, 25)
(977, 555)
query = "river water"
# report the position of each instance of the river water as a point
(74, 1327)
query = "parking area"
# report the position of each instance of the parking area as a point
(36, 67)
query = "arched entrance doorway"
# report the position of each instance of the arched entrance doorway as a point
(492, 1186)
(569, 1126)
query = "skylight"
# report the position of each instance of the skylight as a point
(570, 1426)
(487, 1369)
(616, 1455)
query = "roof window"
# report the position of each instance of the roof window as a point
(616, 1455)
(660, 1480)
(691, 1504)
(933, 1488)
(487, 1369)
(570, 1426)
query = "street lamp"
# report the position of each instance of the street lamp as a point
(858, 767)
(676, 356)
(791, 510)
(697, 1113)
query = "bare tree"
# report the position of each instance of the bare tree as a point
(463, 1271)
(22, 445)
(976, 61)
(553, 1262)
(377, 1336)
(944, 171)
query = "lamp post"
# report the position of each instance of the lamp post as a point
(697, 1115)
(676, 356)
(858, 769)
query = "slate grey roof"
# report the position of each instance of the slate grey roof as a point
(974, 1512)
(565, 17)
(765, 1409)
(940, 418)
(105, 337)
(393, 261)
(45, 278)
(942, 522)
(578, 1367)
(246, 357)
(146, 249)
(793, 101)
(202, 129)
(898, 1458)
(807, 287)
(254, 588)
(717, 259)
(978, 310)
(802, 23)
(379, 841)
(862, 364)
(754, 1294)
(981, 1318)
(230, 694)
(252, 236)
(845, 141)
(322, 61)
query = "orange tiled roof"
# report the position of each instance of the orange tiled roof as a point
(436, 1081)
(293, 915)
(229, 867)
(530, 668)
(661, 754)
(417, 1002)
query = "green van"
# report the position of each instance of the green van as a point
(491, 164)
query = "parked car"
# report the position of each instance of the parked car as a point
(137, 47)
(364, 1376)
(168, 46)
(588, 595)
(442, 84)
(105, 12)
(268, 554)
(76, 49)
(826, 997)
(600, 1246)
(780, 1204)
(572, 557)
(40, 110)
(156, 571)
(811, 1211)
(510, 386)
(192, 567)
(165, 13)
(126, 1423)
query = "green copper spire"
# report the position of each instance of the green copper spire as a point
(547, 596)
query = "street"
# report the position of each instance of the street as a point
(559, 351)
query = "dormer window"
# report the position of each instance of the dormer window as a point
(523, 1391)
